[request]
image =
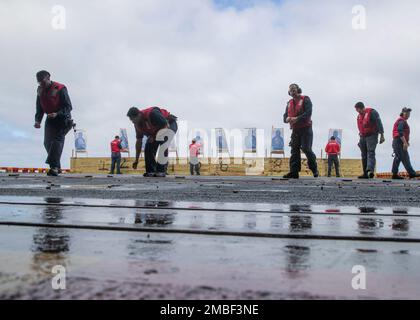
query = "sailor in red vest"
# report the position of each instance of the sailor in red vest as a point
(53, 100)
(400, 144)
(116, 155)
(298, 115)
(194, 161)
(370, 126)
(333, 150)
(149, 122)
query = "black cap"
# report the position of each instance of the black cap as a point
(332, 138)
(404, 110)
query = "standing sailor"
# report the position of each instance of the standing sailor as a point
(400, 144)
(370, 127)
(54, 101)
(298, 114)
(333, 150)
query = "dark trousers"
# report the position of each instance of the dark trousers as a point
(302, 140)
(401, 155)
(367, 146)
(116, 160)
(54, 137)
(150, 150)
(196, 168)
(333, 160)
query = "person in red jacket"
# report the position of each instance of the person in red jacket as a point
(149, 122)
(400, 144)
(116, 155)
(333, 150)
(370, 127)
(298, 114)
(194, 161)
(54, 102)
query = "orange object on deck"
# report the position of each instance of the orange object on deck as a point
(28, 170)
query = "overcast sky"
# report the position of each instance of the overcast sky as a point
(212, 63)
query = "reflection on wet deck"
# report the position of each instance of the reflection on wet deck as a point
(295, 221)
(304, 257)
(271, 265)
(211, 206)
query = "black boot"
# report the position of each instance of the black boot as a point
(397, 177)
(160, 174)
(414, 176)
(291, 175)
(53, 172)
(363, 176)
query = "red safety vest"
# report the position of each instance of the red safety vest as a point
(366, 127)
(149, 129)
(332, 148)
(295, 110)
(396, 134)
(115, 145)
(50, 98)
(194, 149)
